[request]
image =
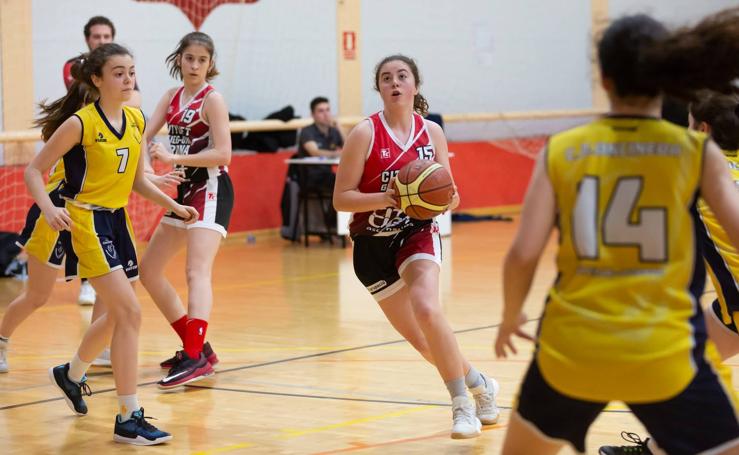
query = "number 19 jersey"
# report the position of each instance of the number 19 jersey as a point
(623, 318)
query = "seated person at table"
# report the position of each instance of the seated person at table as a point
(321, 139)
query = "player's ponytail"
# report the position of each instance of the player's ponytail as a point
(719, 112)
(642, 58)
(420, 105)
(82, 91)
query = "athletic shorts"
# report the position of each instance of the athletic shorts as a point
(380, 260)
(51, 247)
(212, 198)
(726, 306)
(103, 241)
(700, 418)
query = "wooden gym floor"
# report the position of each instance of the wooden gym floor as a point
(309, 365)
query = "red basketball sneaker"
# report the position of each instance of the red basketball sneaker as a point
(207, 350)
(186, 370)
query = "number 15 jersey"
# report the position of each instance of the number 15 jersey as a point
(385, 157)
(623, 318)
(100, 171)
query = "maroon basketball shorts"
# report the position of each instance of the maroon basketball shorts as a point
(379, 261)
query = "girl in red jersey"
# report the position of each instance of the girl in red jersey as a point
(197, 119)
(397, 258)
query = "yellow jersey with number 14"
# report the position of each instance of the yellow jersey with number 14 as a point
(623, 317)
(100, 172)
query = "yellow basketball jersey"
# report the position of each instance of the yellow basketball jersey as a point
(721, 256)
(100, 172)
(617, 324)
(56, 175)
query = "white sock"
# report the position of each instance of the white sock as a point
(128, 404)
(77, 369)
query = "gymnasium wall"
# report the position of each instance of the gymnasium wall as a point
(266, 55)
(488, 56)
(484, 55)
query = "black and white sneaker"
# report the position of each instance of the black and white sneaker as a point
(186, 370)
(638, 446)
(138, 431)
(71, 390)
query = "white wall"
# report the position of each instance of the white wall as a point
(484, 55)
(474, 55)
(264, 64)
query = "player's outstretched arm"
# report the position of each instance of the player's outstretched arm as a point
(535, 227)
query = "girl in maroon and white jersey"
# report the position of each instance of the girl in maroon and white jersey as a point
(200, 141)
(398, 258)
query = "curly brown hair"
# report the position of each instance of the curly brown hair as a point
(420, 105)
(643, 58)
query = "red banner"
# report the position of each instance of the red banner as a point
(197, 10)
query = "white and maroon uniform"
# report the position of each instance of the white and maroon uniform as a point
(208, 189)
(387, 240)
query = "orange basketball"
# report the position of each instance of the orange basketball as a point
(424, 188)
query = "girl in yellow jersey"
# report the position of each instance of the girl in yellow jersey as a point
(623, 320)
(718, 115)
(99, 177)
(48, 250)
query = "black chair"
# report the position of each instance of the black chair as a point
(311, 188)
(323, 198)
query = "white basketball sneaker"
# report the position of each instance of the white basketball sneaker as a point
(484, 394)
(3, 356)
(87, 294)
(103, 360)
(466, 424)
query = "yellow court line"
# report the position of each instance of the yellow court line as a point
(291, 433)
(230, 448)
(616, 406)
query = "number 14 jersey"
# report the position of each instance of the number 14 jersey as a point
(623, 320)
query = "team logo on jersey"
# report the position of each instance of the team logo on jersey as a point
(130, 265)
(100, 138)
(110, 249)
(59, 251)
(385, 154)
(211, 196)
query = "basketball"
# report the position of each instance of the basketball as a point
(424, 188)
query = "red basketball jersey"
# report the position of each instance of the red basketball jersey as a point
(188, 132)
(385, 157)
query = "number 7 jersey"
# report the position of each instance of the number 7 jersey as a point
(626, 298)
(99, 172)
